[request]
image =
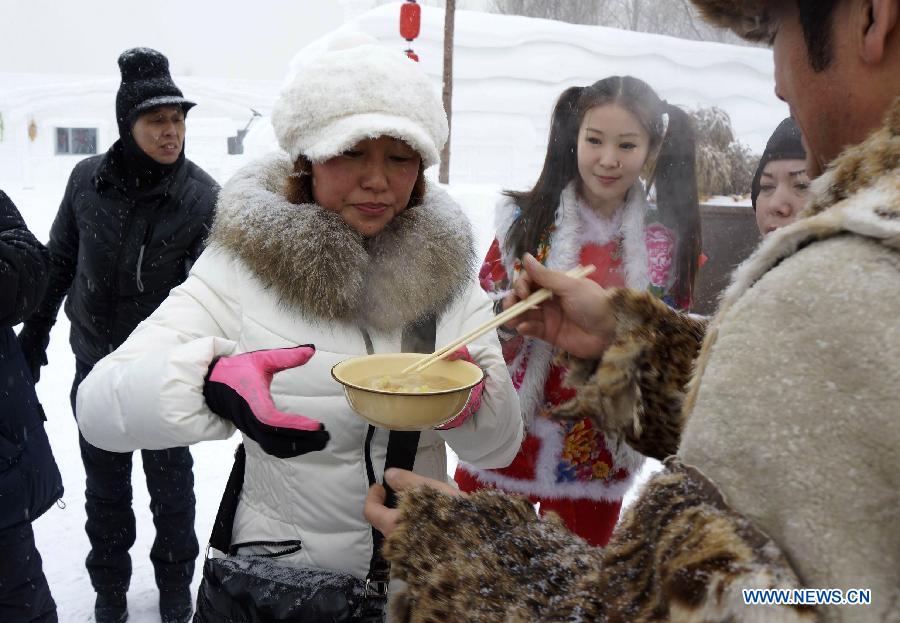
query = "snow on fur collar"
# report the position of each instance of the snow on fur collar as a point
(318, 265)
(859, 194)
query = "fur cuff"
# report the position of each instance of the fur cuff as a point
(637, 389)
(682, 551)
(681, 554)
(477, 558)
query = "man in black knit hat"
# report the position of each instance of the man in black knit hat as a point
(129, 227)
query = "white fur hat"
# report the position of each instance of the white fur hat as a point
(346, 95)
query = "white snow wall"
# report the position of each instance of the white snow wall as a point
(509, 70)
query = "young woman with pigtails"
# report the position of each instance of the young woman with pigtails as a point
(610, 144)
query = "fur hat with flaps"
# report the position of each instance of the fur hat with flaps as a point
(786, 143)
(748, 19)
(345, 95)
(146, 83)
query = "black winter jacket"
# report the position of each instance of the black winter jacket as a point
(29, 479)
(117, 252)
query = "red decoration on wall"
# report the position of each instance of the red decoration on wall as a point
(410, 20)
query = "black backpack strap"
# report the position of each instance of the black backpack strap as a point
(417, 337)
(401, 453)
(222, 527)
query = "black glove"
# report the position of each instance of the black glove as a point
(33, 344)
(238, 389)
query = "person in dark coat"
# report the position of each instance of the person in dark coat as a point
(29, 479)
(129, 227)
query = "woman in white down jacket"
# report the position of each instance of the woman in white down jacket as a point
(339, 239)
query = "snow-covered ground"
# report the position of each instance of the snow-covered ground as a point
(60, 532)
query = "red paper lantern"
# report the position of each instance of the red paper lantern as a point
(410, 20)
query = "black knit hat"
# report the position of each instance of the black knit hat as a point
(786, 143)
(146, 83)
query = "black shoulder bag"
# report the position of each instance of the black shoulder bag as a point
(255, 589)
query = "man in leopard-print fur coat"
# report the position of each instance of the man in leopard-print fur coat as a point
(780, 418)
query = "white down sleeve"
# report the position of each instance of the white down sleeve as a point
(148, 393)
(491, 438)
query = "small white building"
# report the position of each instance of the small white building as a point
(50, 122)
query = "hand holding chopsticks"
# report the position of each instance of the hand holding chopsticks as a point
(522, 306)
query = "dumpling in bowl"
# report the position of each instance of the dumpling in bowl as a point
(413, 383)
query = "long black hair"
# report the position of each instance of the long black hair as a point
(670, 167)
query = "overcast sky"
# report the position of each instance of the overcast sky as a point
(223, 38)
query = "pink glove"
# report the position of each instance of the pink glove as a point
(239, 389)
(474, 403)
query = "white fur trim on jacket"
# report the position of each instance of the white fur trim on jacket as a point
(545, 484)
(344, 96)
(566, 243)
(565, 251)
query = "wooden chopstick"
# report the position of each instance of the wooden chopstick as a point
(534, 300)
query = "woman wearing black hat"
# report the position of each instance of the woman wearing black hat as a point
(779, 188)
(130, 225)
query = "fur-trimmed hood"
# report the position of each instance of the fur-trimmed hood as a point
(324, 269)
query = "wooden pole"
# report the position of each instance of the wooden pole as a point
(449, 18)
